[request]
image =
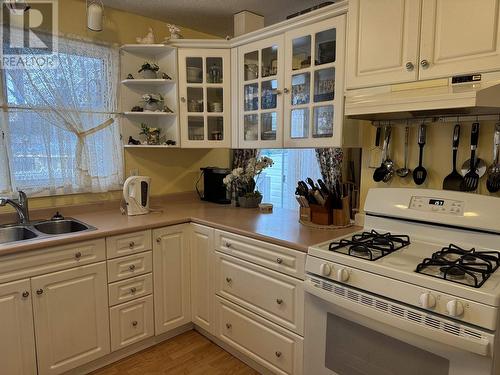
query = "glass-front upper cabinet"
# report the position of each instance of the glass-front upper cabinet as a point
(314, 85)
(260, 83)
(204, 85)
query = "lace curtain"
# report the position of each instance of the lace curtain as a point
(62, 136)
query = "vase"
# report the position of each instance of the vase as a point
(152, 106)
(249, 202)
(148, 74)
(153, 138)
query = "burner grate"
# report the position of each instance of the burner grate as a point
(467, 267)
(370, 245)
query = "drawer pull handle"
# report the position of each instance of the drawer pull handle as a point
(39, 292)
(131, 244)
(158, 239)
(229, 325)
(279, 301)
(133, 290)
(278, 354)
(279, 260)
(26, 294)
(131, 267)
(229, 280)
(228, 244)
(78, 255)
(134, 323)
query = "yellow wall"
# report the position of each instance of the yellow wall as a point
(171, 170)
(437, 154)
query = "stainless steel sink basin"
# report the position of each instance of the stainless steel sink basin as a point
(64, 226)
(16, 233)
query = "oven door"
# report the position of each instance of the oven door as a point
(348, 332)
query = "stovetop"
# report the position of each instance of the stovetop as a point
(370, 245)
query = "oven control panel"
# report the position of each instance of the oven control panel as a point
(437, 205)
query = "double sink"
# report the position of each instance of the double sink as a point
(41, 229)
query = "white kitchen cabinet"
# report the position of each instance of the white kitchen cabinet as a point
(202, 277)
(314, 84)
(17, 338)
(71, 317)
(204, 90)
(459, 36)
(260, 83)
(383, 41)
(171, 266)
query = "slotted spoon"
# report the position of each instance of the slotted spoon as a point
(471, 178)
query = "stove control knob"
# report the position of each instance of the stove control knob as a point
(325, 269)
(427, 300)
(455, 308)
(342, 275)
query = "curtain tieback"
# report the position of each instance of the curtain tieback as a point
(99, 127)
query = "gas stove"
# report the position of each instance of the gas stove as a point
(423, 270)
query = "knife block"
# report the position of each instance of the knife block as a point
(322, 215)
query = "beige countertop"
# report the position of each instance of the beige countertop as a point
(280, 227)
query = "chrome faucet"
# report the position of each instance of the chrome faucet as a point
(20, 205)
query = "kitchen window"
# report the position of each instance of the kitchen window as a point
(59, 131)
(277, 183)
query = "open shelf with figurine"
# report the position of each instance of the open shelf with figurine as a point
(149, 95)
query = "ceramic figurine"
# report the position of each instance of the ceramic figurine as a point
(165, 76)
(174, 31)
(148, 39)
(132, 141)
(130, 76)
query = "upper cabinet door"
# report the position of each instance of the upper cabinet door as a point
(204, 87)
(383, 37)
(314, 84)
(260, 93)
(459, 36)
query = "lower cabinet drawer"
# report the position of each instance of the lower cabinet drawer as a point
(131, 322)
(275, 296)
(127, 290)
(130, 266)
(272, 346)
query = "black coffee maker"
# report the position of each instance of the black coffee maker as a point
(214, 189)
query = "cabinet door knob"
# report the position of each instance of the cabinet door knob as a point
(286, 91)
(228, 244)
(424, 64)
(183, 99)
(279, 92)
(229, 280)
(277, 354)
(26, 294)
(134, 323)
(158, 239)
(39, 291)
(133, 290)
(228, 325)
(279, 260)
(279, 301)
(409, 66)
(78, 255)
(131, 267)
(131, 244)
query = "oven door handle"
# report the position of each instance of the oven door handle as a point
(481, 347)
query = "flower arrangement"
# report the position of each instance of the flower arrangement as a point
(152, 98)
(149, 66)
(244, 180)
(152, 134)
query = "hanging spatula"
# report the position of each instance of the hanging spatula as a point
(493, 182)
(420, 173)
(471, 178)
(454, 180)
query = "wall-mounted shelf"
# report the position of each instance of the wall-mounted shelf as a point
(149, 114)
(148, 82)
(151, 146)
(147, 49)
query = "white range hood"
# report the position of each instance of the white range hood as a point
(426, 98)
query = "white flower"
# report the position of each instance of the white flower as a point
(237, 172)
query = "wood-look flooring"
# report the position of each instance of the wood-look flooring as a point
(186, 354)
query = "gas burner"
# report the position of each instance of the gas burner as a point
(370, 245)
(468, 267)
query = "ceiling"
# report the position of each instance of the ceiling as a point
(211, 16)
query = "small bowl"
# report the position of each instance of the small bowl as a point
(266, 208)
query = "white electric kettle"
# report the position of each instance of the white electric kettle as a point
(136, 194)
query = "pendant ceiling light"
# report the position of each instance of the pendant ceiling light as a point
(95, 14)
